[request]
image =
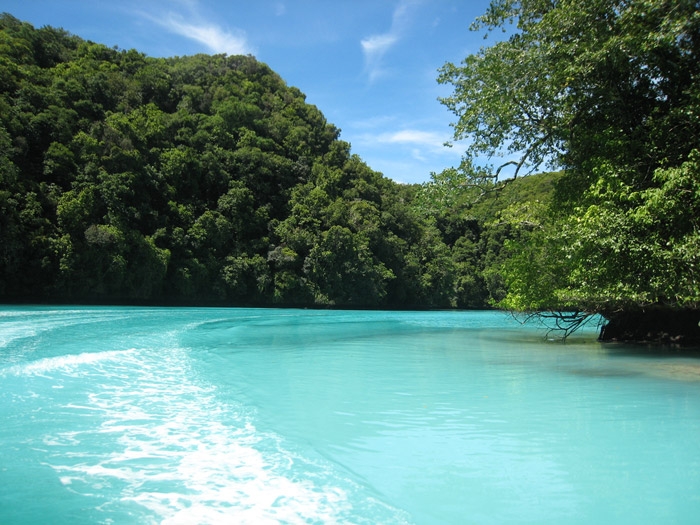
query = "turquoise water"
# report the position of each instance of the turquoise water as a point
(184, 416)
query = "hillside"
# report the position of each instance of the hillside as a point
(208, 180)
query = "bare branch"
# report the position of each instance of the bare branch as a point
(562, 323)
(509, 163)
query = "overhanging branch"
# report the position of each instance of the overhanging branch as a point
(560, 322)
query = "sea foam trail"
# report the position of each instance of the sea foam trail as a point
(64, 362)
(172, 448)
(131, 428)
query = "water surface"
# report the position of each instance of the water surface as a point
(158, 415)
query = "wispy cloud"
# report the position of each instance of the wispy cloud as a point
(211, 35)
(375, 47)
(193, 25)
(426, 139)
(424, 148)
(280, 9)
(404, 153)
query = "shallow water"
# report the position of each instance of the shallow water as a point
(157, 415)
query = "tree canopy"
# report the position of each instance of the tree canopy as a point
(609, 91)
(207, 180)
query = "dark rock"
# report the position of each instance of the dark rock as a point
(654, 324)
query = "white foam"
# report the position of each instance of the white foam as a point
(27, 324)
(10, 334)
(43, 366)
(173, 448)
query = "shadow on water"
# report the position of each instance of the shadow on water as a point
(651, 351)
(582, 355)
(669, 362)
(604, 372)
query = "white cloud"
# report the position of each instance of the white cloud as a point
(418, 155)
(211, 35)
(403, 153)
(429, 139)
(192, 25)
(374, 49)
(376, 46)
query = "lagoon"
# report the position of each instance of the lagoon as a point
(231, 415)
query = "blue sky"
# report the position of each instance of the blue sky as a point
(369, 65)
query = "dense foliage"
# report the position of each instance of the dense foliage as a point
(208, 180)
(609, 90)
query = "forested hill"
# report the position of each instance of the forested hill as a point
(206, 180)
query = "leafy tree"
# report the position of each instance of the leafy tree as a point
(610, 91)
(342, 270)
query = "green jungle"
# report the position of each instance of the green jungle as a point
(207, 180)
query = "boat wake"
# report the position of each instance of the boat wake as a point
(145, 435)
